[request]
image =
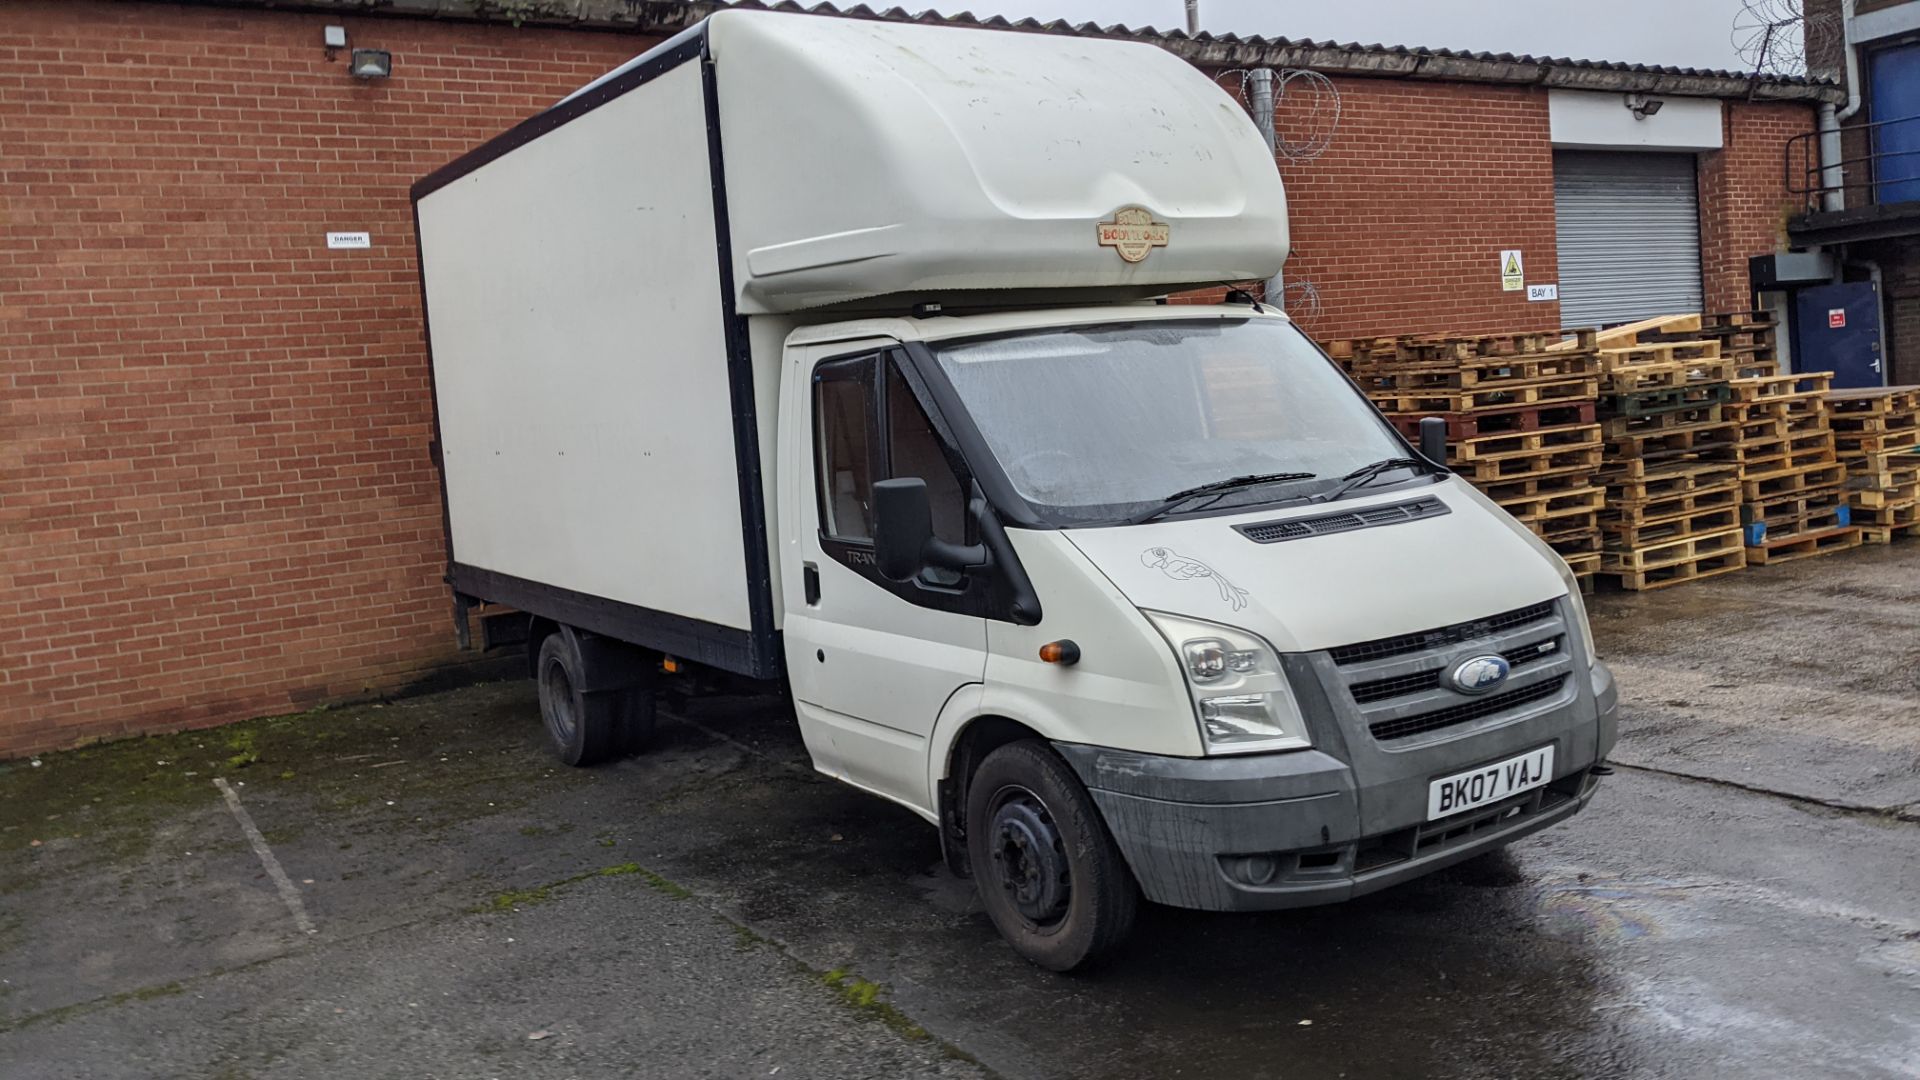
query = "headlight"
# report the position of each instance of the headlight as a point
(1577, 609)
(1240, 694)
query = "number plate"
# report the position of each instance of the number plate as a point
(1489, 783)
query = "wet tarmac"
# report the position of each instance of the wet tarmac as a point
(1742, 899)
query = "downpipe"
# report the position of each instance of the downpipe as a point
(1260, 101)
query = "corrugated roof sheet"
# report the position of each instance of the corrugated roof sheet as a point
(1227, 50)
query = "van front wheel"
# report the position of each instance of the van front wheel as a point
(1048, 873)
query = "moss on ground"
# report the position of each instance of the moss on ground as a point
(515, 899)
(864, 998)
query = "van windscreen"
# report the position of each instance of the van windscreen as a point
(1094, 425)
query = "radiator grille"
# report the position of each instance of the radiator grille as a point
(1401, 727)
(1447, 635)
(1400, 685)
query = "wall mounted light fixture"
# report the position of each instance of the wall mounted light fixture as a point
(1642, 106)
(371, 63)
(335, 38)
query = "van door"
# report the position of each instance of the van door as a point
(871, 661)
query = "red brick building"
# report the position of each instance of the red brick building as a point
(215, 489)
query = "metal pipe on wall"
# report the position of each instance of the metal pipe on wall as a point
(1193, 17)
(1260, 101)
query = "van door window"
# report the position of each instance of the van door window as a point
(843, 436)
(914, 450)
(869, 425)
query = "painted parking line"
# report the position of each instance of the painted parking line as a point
(280, 880)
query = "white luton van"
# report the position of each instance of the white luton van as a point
(827, 352)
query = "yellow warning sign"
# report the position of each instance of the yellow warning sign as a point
(1513, 276)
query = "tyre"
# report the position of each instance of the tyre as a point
(1048, 873)
(587, 728)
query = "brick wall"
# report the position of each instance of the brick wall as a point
(215, 499)
(1400, 224)
(1744, 204)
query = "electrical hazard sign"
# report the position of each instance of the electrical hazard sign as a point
(1513, 277)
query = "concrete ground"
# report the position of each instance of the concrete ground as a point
(1743, 898)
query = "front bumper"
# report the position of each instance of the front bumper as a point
(1270, 831)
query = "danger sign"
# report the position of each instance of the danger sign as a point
(1836, 318)
(1512, 273)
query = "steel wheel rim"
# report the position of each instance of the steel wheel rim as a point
(1030, 865)
(557, 688)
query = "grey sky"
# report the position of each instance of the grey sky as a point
(1688, 33)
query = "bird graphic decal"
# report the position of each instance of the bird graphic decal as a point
(1180, 568)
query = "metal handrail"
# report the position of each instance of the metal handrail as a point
(1803, 150)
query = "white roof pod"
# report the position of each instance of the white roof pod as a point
(866, 158)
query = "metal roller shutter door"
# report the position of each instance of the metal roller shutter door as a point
(1628, 228)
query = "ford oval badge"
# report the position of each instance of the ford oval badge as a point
(1479, 674)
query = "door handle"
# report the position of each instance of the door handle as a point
(810, 582)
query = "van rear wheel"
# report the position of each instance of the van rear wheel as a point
(1049, 875)
(587, 728)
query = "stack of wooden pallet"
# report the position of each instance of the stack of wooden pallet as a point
(1793, 499)
(1672, 509)
(1877, 434)
(1747, 338)
(1520, 421)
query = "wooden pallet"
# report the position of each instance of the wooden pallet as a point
(1876, 534)
(1445, 348)
(1763, 457)
(1884, 469)
(1539, 463)
(1625, 378)
(1670, 507)
(1664, 400)
(1874, 400)
(1484, 399)
(1673, 442)
(1628, 333)
(1886, 517)
(1462, 374)
(1524, 442)
(1783, 520)
(1521, 487)
(1804, 545)
(1659, 352)
(1674, 552)
(1853, 442)
(1675, 561)
(1891, 494)
(1576, 509)
(1627, 485)
(1783, 387)
(1567, 543)
(1498, 421)
(1584, 566)
(1873, 423)
(1791, 482)
(1638, 536)
(1619, 427)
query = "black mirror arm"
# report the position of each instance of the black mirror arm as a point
(1023, 603)
(950, 556)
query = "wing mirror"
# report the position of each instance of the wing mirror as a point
(903, 540)
(1433, 440)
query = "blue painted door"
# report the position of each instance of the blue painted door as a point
(1894, 81)
(1839, 331)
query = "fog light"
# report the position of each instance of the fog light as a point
(1254, 869)
(371, 64)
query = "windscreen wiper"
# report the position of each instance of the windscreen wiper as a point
(1215, 488)
(1366, 474)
